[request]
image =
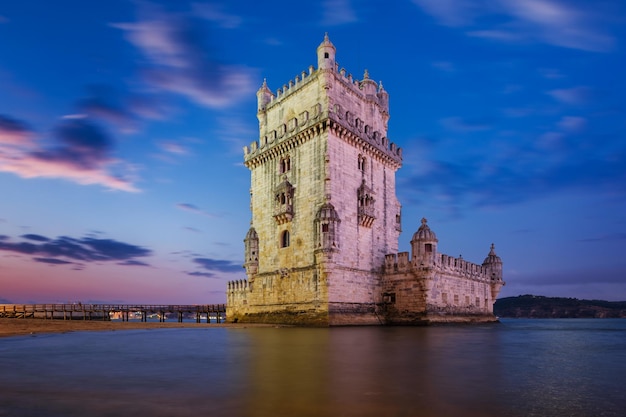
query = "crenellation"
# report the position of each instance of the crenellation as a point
(322, 248)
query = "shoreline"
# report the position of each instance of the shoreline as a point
(10, 327)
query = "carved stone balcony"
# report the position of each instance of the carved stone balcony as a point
(283, 213)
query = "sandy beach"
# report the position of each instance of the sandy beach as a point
(21, 327)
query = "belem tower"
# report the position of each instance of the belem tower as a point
(322, 248)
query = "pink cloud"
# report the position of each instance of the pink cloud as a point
(80, 153)
(13, 132)
(32, 167)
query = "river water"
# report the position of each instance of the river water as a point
(570, 367)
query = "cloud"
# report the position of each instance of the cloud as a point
(457, 124)
(572, 123)
(215, 14)
(338, 12)
(14, 132)
(133, 262)
(78, 150)
(180, 62)
(104, 103)
(590, 277)
(581, 26)
(65, 250)
(553, 163)
(444, 66)
(218, 265)
(202, 274)
(193, 209)
(174, 148)
(52, 261)
(572, 96)
(605, 238)
(37, 238)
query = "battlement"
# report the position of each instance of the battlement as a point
(237, 286)
(296, 112)
(398, 263)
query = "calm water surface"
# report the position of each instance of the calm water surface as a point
(516, 368)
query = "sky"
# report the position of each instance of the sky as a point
(122, 125)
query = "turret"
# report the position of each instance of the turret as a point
(327, 228)
(264, 96)
(493, 265)
(326, 54)
(251, 244)
(383, 99)
(424, 245)
(368, 86)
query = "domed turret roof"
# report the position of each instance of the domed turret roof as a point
(251, 234)
(326, 42)
(492, 258)
(327, 212)
(424, 232)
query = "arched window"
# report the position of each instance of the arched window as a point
(284, 239)
(361, 163)
(285, 165)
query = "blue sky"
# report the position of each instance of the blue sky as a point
(122, 125)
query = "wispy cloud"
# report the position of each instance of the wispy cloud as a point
(105, 103)
(173, 147)
(78, 150)
(218, 265)
(552, 22)
(444, 66)
(338, 12)
(216, 13)
(214, 268)
(555, 162)
(612, 237)
(458, 124)
(194, 209)
(67, 250)
(180, 61)
(572, 96)
(14, 132)
(572, 123)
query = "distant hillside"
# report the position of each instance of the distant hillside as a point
(533, 306)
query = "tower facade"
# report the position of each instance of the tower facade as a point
(324, 210)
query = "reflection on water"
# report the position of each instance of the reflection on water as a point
(516, 368)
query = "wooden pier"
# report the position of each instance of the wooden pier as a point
(124, 312)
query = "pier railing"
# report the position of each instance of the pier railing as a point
(124, 312)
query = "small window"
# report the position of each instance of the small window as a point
(325, 54)
(428, 247)
(284, 239)
(361, 164)
(325, 227)
(285, 165)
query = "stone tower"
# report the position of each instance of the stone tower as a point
(323, 240)
(323, 201)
